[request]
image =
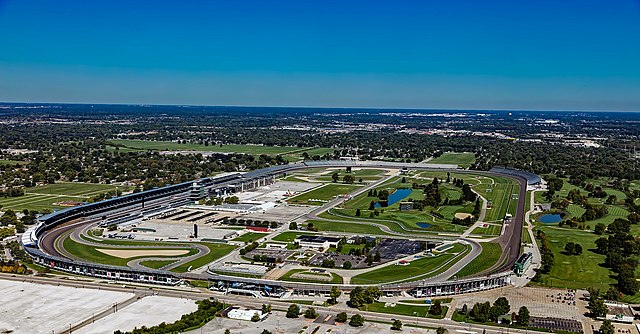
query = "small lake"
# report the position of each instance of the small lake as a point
(423, 225)
(550, 218)
(397, 196)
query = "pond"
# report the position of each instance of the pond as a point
(423, 225)
(397, 196)
(550, 218)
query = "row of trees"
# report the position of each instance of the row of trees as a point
(207, 310)
(485, 312)
(547, 258)
(621, 249)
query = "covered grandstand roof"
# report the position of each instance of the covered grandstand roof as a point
(530, 177)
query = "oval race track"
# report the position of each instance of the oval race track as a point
(42, 241)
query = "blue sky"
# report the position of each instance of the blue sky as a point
(562, 55)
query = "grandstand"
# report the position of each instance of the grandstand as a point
(532, 179)
(166, 201)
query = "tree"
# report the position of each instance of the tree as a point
(436, 308)
(523, 316)
(227, 331)
(441, 330)
(341, 317)
(597, 307)
(397, 325)
(293, 226)
(577, 250)
(266, 308)
(346, 265)
(503, 305)
(569, 247)
(335, 177)
(310, 313)
(255, 317)
(481, 312)
(358, 213)
(476, 208)
(293, 311)
(627, 282)
(356, 297)
(372, 206)
(607, 327)
(599, 229)
(335, 293)
(348, 179)
(264, 331)
(356, 321)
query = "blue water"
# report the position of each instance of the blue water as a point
(550, 218)
(423, 225)
(397, 196)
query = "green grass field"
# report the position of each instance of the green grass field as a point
(526, 238)
(364, 174)
(35, 202)
(488, 257)
(251, 236)
(323, 194)
(490, 230)
(73, 189)
(418, 269)
(289, 236)
(421, 311)
(463, 160)
(575, 210)
(336, 279)
(571, 271)
(335, 226)
(156, 264)
(90, 253)
(501, 195)
(216, 251)
(45, 197)
(173, 146)
(394, 220)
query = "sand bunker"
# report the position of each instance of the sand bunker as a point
(128, 253)
(462, 215)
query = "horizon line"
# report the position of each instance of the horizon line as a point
(320, 107)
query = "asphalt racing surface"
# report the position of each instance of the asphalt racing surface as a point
(510, 241)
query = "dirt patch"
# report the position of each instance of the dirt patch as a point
(462, 215)
(129, 253)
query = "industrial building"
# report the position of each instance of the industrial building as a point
(316, 242)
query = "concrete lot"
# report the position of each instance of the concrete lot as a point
(282, 213)
(167, 228)
(278, 323)
(148, 311)
(541, 302)
(276, 191)
(35, 308)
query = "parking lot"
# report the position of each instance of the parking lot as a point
(541, 302)
(278, 323)
(393, 249)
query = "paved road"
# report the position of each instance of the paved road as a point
(510, 239)
(52, 242)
